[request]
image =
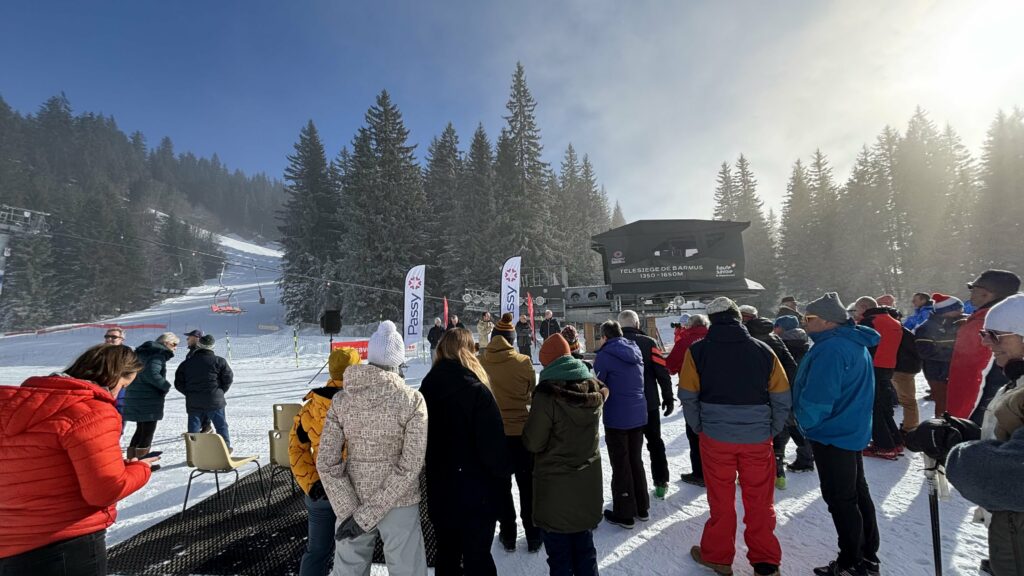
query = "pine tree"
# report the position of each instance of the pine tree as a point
(725, 194)
(308, 226)
(386, 239)
(522, 177)
(864, 205)
(598, 220)
(948, 264)
(999, 212)
(617, 218)
(824, 218)
(797, 237)
(478, 254)
(29, 284)
(761, 264)
(441, 189)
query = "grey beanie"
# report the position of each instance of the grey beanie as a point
(830, 308)
(206, 342)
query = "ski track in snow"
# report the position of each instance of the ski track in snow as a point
(264, 362)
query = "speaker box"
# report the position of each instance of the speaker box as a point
(330, 322)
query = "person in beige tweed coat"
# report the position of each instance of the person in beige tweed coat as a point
(375, 489)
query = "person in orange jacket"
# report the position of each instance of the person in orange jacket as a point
(60, 511)
(303, 443)
(886, 440)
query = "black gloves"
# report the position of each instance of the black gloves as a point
(349, 529)
(937, 436)
(669, 405)
(316, 492)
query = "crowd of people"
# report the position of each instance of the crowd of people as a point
(365, 446)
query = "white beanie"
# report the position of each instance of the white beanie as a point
(722, 304)
(748, 310)
(1007, 316)
(386, 346)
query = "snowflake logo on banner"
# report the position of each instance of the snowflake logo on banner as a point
(415, 282)
(510, 275)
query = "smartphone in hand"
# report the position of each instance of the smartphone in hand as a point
(153, 454)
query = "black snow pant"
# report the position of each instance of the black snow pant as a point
(464, 546)
(1006, 543)
(885, 434)
(629, 479)
(143, 436)
(522, 467)
(845, 491)
(80, 556)
(696, 465)
(656, 447)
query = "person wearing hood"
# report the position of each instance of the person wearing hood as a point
(371, 454)
(972, 379)
(886, 440)
(512, 380)
(934, 340)
(63, 473)
(833, 393)
(434, 336)
(763, 329)
(788, 329)
(303, 444)
(656, 379)
(144, 401)
(735, 394)
(466, 465)
(484, 328)
(562, 433)
(987, 472)
(696, 330)
(204, 378)
(620, 365)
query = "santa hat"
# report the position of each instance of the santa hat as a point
(943, 303)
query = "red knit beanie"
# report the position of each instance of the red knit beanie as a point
(554, 348)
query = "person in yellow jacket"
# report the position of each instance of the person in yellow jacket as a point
(303, 444)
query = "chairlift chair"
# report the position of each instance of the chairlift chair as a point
(225, 302)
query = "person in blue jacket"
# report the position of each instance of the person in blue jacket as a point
(833, 396)
(620, 365)
(923, 308)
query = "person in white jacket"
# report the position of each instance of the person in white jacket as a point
(372, 450)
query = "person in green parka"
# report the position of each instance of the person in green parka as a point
(562, 433)
(144, 397)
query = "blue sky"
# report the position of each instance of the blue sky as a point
(658, 93)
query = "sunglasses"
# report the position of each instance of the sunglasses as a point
(992, 337)
(112, 337)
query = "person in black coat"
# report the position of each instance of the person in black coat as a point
(549, 326)
(466, 460)
(524, 336)
(203, 378)
(434, 335)
(763, 329)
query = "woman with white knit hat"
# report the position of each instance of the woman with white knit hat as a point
(375, 488)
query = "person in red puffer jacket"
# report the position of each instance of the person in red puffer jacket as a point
(61, 469)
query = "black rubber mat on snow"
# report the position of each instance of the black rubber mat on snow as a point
(254, 540)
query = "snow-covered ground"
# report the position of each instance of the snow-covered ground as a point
(268, 371)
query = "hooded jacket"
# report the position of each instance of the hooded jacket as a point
(733, 387)
(383, 423)
(934, 341)
(655, 372)
(562, 433)
(203, 378)
(834, 390)
(61, 468)
(466, 453)
(620, 366)
(971, 367)
(304, 439)
(674, 362)
(144, 397)
(512, 382)
(797, 343)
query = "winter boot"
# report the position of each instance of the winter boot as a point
(780, 482)
(692, 478)
(766, 569)
(533, 546)
(508, 541)
(833, 569)
(723, 569)
(660, 492)
(800, 467)
(886, 454)
(610, 518)
(871, 568)
(643, 516)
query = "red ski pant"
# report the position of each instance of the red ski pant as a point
(755, 464)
